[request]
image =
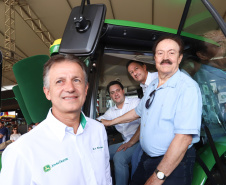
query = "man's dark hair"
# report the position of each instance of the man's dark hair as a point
(114, 83)
(175, 38)
(133, 61)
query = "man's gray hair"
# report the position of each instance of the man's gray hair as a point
(61, 58)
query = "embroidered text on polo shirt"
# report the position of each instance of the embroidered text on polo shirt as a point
(99, 147)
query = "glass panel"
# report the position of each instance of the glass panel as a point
(211, 77)
(199, 20)
(208, 66)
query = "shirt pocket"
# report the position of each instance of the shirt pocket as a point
(168, 112)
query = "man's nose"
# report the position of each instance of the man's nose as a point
(165, 56)
(69, 86)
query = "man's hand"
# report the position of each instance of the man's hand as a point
(106, 122)
(172, 157)
(153, 180)
(124, 146)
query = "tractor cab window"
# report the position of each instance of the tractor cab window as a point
(207, 65)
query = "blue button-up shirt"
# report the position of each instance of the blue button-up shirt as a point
(176, 109)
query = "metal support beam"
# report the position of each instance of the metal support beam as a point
(33, 21)
(9, 61)
(9, 28)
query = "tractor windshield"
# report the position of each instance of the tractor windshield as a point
(208, 67)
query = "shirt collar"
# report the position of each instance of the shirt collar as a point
(147, 82)
(60, 129)
(172, 82)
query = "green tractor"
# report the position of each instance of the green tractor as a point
(107, 45)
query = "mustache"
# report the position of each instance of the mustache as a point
(166, 61)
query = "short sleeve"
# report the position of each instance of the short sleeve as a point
(188, 113)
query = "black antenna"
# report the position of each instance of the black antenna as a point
(81, 23)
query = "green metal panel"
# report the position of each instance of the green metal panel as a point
(140, 25)
(28, 73)
(157, 28)
(22, 105)
(205, 153)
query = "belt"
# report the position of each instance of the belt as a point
(153, 157)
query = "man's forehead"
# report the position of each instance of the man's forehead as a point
(134, 65)
(66, 65)
(168, 44)
(114, 87)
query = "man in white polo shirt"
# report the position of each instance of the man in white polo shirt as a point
(121, 153)
(139, 73)
(67, 147)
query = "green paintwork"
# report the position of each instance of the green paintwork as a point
(157, 28)
(54, 49)
(206, 155)
(140, 25)
(197, 18)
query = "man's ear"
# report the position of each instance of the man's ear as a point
(180, 58)
(145, 67)
(202, 55)
(47, 93)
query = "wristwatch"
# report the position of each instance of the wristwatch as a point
(160, 175)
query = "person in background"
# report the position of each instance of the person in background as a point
(67, 147)
(139, 73)
(121, 153)
(15, 134)
(3, 132)
(208, 69)
(170, 119)
(35, 125)
(9, 130)
(29, 128)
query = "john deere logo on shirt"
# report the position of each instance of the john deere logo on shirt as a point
(46, 168)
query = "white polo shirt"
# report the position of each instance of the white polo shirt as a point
(150, 78)
(126, 129)
(53, 154)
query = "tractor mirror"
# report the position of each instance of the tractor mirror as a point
(83, 29)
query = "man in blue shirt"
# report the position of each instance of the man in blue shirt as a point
(170, 114)
(3, 133)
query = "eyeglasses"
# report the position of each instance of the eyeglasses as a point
(14, 129)
(150, 100)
